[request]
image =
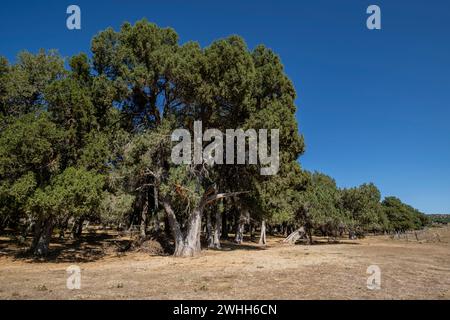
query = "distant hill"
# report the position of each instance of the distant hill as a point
(439, 218)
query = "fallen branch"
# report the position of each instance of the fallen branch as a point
(298, 234)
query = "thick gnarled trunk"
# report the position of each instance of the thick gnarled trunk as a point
(187, 241)
(187, 244)
(42, 235)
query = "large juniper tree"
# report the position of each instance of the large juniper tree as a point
(169, 86)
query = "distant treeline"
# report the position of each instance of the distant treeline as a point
(92, 143)
(359, 209)
(439, 218)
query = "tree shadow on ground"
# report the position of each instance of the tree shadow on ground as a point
(230, 246)
(324, 242)
(89, 248)
(247, 244)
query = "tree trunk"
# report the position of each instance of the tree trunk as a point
(2, 224)
(42, 236)
(218, 230)
(240, 226)
(214, 242)
(167, 228)
(252, 233)
(209, 230)
(262, 238)
(187, 244)
(225, 230)
(29, 225)
(154, 223)
(77, 228)
(309, 232)
(143, 225)
(239, 234)
(64, 227)
(190, 246)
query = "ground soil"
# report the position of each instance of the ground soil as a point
(409, 270)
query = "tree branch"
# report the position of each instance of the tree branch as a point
(219, 196)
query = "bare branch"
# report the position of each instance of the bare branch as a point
(219, 196)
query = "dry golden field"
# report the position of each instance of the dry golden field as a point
(409, 270)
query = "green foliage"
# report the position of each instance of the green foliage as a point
(402, 216)
(115, 208)
(225, 85)
(363, 206)
(49, 128)
(322, 201)
(4, 77)
(25, 82)
(14, 195)
(439, 218)
(359, 208)
(30, 144)
(81, 69)
(74, 192)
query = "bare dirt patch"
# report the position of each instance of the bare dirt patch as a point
(410, 270)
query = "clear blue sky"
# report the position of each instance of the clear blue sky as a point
(373, 105)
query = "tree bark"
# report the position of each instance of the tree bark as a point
(252, 233)
(262, 238)
(42, 235)
(143, 225)
(167, 228)
(187, 244)
(190, 246)
(239, 234)
(225, 230)
(240, 226)
(3, 223)
(77, 228)
(154, 223)
(285, 229)
(295, 236)
(209, 230)
(309, 232)
(215, 233)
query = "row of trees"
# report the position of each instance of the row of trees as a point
(93, 142)
(356, 210)
(440, 218)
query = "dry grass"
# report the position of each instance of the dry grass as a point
(410, 270)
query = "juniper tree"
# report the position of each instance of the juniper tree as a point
(403, 217)
(363, 206)
(224, 85)
(49, 126)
